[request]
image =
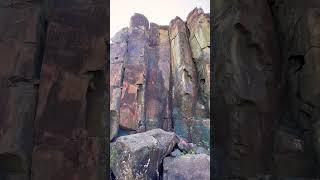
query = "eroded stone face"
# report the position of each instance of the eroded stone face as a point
(19, 29)
(70, 121)
(198, 24)
(247, 85)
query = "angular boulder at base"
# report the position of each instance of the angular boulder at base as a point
(139, 156)
(187, 167)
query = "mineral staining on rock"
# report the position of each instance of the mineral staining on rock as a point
(160, 96)
(164, 79)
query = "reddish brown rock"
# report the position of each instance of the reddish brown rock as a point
(132, 103)
(20, 29)
(158, 113)
(132, 97)
(72, 159)
(118, 57)
(72, 86)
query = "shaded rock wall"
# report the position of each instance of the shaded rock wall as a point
(266, 92)
(52, 90)
(159, 81)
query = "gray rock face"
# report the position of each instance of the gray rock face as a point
(184, 80)
(138, 156)
(187, 167)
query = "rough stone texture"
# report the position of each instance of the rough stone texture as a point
(70, 120)
(158, 112)
(199, 26)
(132, 112)
(20, 30)
(187, 167)
(118, 57)
(299, 32)
(265, 73)
(184, 79)
(160, 79)
(246, 90)
(291, 156)
(138, 156)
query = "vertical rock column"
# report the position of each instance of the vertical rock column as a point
(184, 79)
(20, 30)
(70, 116)
(158, 109)
(132, 113)
(246, 87)
(198, 24)
(118, 56)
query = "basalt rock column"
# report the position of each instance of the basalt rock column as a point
(118, 57)
(132, 101)
(70, 122)
(158, 109)
(20, 31)
(198, 24)
(246, 87)
(184, 79)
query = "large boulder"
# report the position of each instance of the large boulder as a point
(139, 156)
(187, 167)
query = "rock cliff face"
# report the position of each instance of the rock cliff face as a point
(266, 92)
(52, 115)
(55, 74)
(160, 80)
(160, 77)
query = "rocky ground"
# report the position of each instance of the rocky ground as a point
(157, 154)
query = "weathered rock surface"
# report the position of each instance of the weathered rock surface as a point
(20, 30)
(158, 108)
(184, 78)
(298, 27)
(266, 101)
(198, 24)
(138, 156)
(70, 121)
(159, 80)
(187, 167)
(247, 87)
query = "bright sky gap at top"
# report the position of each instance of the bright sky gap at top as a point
(157, 11)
